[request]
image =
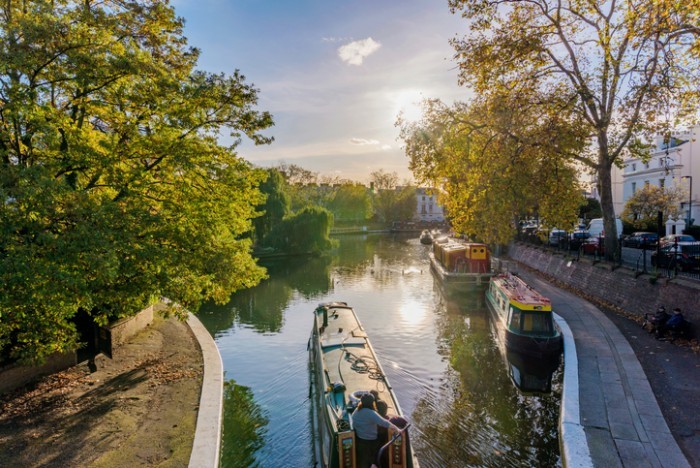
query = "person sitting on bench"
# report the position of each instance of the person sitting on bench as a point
(675, 324)
(657, 320)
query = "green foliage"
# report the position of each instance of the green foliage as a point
(351, 202)
(306, 231)
(276, 204)
(113, 187)
(590, 209)
(391, 202)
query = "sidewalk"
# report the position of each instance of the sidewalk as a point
(622, 421)
(138, 409)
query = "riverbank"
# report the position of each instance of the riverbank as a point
(138, 409)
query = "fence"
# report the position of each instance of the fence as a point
(669, 261)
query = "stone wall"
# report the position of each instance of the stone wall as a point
(620, 287)
(14, 376)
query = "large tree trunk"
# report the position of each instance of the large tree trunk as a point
(606, 203)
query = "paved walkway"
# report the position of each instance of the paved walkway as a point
(618, 411)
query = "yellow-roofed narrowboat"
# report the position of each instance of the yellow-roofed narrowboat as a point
(525, 315)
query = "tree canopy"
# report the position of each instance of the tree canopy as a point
(489, 165)
(113, 186)
(392, 202)
(642, 208)
(615, 70)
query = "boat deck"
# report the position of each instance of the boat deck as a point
(517, 290)
(348, 358)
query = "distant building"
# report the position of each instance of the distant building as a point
(671, 163)
(427, 207)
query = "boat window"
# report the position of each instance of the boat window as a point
(536, 323)
(514, 319)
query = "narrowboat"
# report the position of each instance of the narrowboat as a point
(461, 263)
(343, 367)
(525, 316)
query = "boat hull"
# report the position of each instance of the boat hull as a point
(538, 346)
(468, 280)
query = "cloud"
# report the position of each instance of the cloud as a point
(386, 147)
(335, 39)
(363, 141)
(355, 52)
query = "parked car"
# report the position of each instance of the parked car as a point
(577, 238)
(681, 256)
(597, 229)
(680, 239)
(592, 247)
(638, 240)
(556, 236)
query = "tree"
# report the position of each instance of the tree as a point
(487, 160)
(276, 204)
(391, 202)
(306, 231)
(642, 208)
(590, 209)
(114, 189)
(351, 202)
(622, 68)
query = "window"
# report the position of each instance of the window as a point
(634, 167)
(634, 187)
(646, 165)
(646, 183)
(536, 323)
(662, 183)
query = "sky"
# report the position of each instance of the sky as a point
(334, 74)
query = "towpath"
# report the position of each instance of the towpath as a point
(621, 419)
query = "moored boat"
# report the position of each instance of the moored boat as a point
(426, 237)
(525, 316)
(344, 367)
(461, 263)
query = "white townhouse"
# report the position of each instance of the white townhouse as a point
(427, 207)
(671, 163)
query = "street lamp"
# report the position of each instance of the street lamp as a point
(690, 196)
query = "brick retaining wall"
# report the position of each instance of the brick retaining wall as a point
(620, 286)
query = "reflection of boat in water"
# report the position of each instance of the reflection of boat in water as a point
(426, 237)
(343, 368)
(524, 315)
(529, 374)
(461, 263)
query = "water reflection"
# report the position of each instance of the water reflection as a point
(437, 349)
(262, 307)
(244, 426)
(532, 375)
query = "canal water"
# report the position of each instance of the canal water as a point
(437, 348)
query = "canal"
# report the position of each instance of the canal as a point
(437, 348)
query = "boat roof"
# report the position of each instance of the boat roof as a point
(517, 290)
(348, 357)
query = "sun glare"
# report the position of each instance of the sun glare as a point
(407, 101)
(412, 312)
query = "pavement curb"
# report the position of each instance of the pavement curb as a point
(207, 437)
(572, 438)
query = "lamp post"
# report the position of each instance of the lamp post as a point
(690, 196)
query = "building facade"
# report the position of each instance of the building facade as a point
(427, 207)
(672, 163)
